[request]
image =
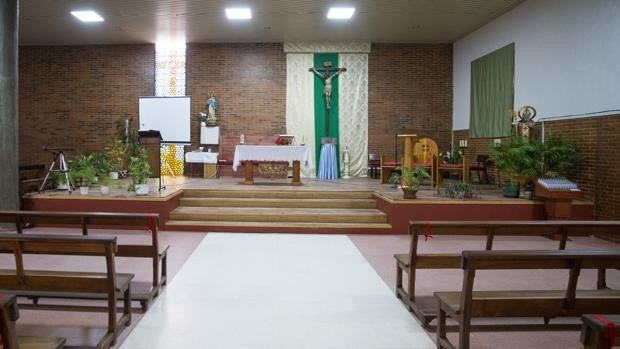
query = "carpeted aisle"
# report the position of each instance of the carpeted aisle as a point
(277, 291)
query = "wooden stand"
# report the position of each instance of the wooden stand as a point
(151, 141)
(409, 140)
(558, 203)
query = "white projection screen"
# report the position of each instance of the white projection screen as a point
(168, 115)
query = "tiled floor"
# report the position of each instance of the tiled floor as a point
(277, 291)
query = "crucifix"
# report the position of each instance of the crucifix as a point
(327, 73)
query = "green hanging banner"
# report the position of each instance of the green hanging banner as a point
(320, 109)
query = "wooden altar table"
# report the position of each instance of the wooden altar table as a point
(253, 154)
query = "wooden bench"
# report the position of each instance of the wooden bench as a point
(595, 333)
(424, 306)
(8, 316)
(25, 282)
(467, 304)
(86, 220)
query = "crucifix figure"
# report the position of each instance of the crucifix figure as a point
(327, 73)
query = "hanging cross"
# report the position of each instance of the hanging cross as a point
(326, 74)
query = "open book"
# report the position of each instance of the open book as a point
(285, 140)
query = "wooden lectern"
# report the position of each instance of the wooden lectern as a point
(409, 140)
(559, 195)
(151, 141)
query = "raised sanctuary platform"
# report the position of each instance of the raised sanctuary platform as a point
(353, 206)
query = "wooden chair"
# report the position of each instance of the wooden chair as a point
(374, 163)
(480, 166)
(387, 167)
(467, 304)
(442, 167)
(8, 316)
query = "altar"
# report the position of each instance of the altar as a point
(250, 155)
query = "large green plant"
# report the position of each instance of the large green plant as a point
(82, 171)
(523, 159)
(412, 177)
(139, 169)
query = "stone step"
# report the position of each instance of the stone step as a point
(252, 192)
(268, 214)
(278, 202)
(287, 227)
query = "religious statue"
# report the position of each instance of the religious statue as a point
(327, 74)
(526, 121)
(212, 104)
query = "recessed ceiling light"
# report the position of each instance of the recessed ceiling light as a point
(87, 16)
(238, 13)
(340, 12)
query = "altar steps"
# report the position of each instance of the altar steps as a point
(291, 211)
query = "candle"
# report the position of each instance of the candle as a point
(242, 139)
(126, 128)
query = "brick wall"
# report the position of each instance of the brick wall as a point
(70, 96)
(598, 141)
(249, 81)
(409, 91)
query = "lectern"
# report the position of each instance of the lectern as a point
(559, 194)
(151, 141)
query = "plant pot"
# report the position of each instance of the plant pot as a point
(63, 186)
(528, 194)
(105, 190)
(510, 190)
(409, 193)
(142, 189)
(83, 190)
(114, 175)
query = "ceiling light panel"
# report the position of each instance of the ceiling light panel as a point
(87, 16)
(340, 12)
(238, 13)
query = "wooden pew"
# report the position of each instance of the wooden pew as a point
(424, 306)
(26, 282)
(467, 304)
(86, 220)
(8, 316)
(596, 330)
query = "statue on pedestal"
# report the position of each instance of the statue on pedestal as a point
(212, 105)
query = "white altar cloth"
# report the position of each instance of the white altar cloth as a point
(287, 153)
(201, 156)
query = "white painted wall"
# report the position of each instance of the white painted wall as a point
(567, 57)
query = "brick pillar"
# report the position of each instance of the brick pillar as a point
(9, 133)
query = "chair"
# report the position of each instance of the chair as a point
(441, 167)
(480, 166)
(387, 167)
(373, 165)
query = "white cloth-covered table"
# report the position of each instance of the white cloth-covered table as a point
(293, 154)
(288, 153)
(201, 156)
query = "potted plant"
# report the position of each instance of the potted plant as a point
(82, 172)
(61, 180)
(525, 160)
(394, 179)
(115, 153)
(139, 172)
(104, 184)
(410, 180)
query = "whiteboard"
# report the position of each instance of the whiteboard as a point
(168, 115)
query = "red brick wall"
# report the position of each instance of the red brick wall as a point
(70, 96)
(598, 141)
(249, 82)
(409, 91)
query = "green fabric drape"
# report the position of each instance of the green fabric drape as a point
(320, 113)
(492, 93)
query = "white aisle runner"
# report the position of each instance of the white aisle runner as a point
(273, 291)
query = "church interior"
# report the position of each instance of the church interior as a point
(309, 174)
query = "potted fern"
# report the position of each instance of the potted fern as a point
(525, 160)
(411, 179)
(139, 172)
(82, 172)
